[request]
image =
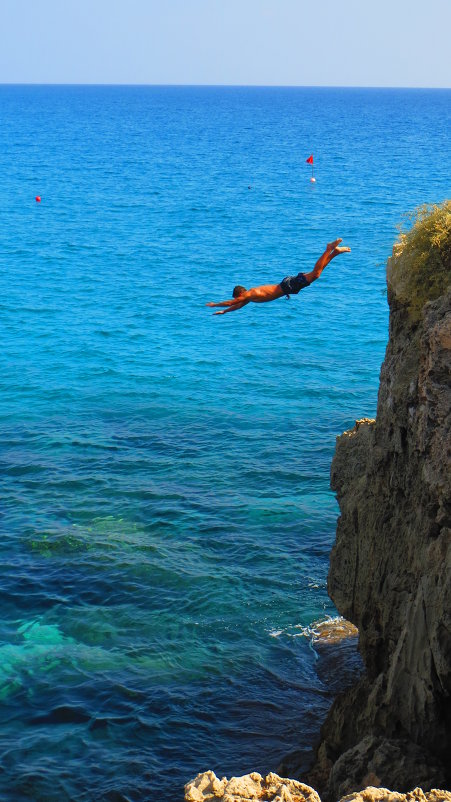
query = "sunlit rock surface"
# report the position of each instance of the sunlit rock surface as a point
(271, 788)
(384, 795)
(207, 787)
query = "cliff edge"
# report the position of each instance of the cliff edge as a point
(390, 568)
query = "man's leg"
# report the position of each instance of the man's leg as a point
(332, 250)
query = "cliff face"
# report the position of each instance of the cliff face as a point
(390, 568)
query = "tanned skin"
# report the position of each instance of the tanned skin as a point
(270, 292)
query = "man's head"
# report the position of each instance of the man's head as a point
(238, 290)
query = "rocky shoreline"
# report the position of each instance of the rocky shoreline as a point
(207, 787)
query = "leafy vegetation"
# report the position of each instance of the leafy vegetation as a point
(420, 269)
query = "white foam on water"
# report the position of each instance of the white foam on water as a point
(336, 625)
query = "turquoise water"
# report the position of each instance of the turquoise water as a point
(166, 513)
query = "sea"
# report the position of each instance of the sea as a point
(166, 516)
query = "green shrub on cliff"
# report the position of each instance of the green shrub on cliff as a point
(420, 268)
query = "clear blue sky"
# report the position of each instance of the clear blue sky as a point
(288, 42)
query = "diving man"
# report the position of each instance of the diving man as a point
(290, 285)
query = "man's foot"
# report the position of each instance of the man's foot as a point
(343, 249)
(331, 245)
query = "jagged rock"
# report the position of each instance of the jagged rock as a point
(207, 786)
(384, 795)
(390, 568)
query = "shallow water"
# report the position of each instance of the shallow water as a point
(167, 518)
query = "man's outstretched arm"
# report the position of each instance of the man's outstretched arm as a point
(232, 308)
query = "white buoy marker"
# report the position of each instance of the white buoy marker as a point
(310, 161)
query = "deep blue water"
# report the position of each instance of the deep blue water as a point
(166, 513)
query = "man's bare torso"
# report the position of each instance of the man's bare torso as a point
(266, 292)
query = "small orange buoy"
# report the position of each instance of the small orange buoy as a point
(38, 199)
(313, 180)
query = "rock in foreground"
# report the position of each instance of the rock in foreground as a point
(207, 786)
(371, 794)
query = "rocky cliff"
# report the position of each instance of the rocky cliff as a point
(390, 566)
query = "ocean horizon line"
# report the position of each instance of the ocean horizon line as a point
(227, 85)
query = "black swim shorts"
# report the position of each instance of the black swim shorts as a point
(291, 285)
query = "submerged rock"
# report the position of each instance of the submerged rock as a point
(333, 631)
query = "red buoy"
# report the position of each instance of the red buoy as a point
(38, 198)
